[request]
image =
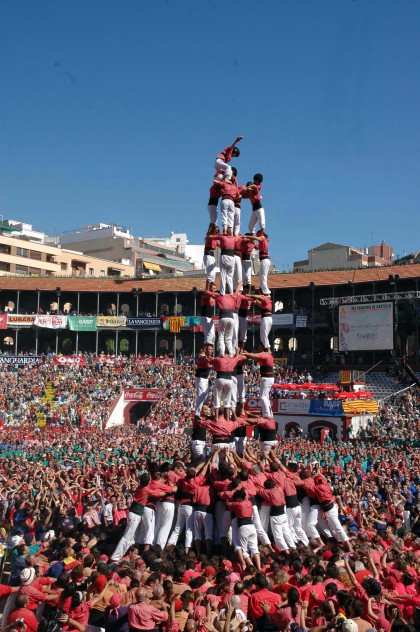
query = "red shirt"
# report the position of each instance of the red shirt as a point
(227, 301)
(265, 359)
(210, 243)
(228, 190)
(226, 154)
(28, 617)
(253, 193)
(263, 246)
(227, 242)
(273, 497)
(256, 599)
(208, 298)
(225, 364)
(242, 508)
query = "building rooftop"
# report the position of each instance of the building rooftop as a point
(180, 284)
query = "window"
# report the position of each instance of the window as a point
(90, 272)
(278, 344)
(8, 341)
(278, 306)
(5, 250)
(63, 266)
(292, 344)
(4, 267)
(178, 309)
(35, 254)
(178, 239)
(22, 252)
(102, 273)
(21, 269)
(334, 343)
(35, 271)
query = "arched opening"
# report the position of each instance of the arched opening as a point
(292, 344)
(8, 341)
(278, 344)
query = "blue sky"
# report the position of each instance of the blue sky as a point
(115, 110)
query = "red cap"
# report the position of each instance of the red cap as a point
(209, 571)
(327, 555)
(227, 565)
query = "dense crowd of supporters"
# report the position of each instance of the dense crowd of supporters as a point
(123, 530)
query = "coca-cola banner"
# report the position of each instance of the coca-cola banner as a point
(150, 361)
(51, 322)
(142, 395)
(70, 360)
(3, 321)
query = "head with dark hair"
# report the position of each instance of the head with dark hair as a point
(258, 178)
(236, 152)
(144, 479)
(269, 483)
(293, 597)
(234, 171)
(240, 494)
(261, 580)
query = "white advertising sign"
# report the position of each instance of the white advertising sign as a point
(366, 327)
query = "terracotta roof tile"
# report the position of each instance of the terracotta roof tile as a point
(185, 284)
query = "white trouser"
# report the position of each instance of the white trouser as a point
(209, 263)
(257, 216)
(281, 532)
(237, 271)
(335, 525)
(265, 446)
(235, 534)
(222, 446)
(146, 531)
(225, 336)
(243, 328)
(235, 334)
(222, 392)
(207, 324)
(265, 517)
(264, 268)
(201, 393)
(227, 264)
(294, 517)
(164, 517)
(234, 393)
(185, 519)
(247, 272)
(314, 518)
(261, 532)
(221, 165)
(128, 539)
(248, 540)
(227, 213)
(237, 220)
(203, 520)
(222, 519)
(198, 450)
(240, 443)
(265, 387)
(265, 328)
(240, 387)
(212, 209)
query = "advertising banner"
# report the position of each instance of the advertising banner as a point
(20, 360)
(253, 405)
(70, 360)
(20, 320)
(301, 321)
(282, 320)
(294, 406)
(107, 359)
(3, 321)
(326, 408)
(111, 321)
(81, 323)
(146, 322)
(150, 361)
(366, 327)
(50, 322)
(142, 394)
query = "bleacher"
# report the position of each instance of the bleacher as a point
(379, 383)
